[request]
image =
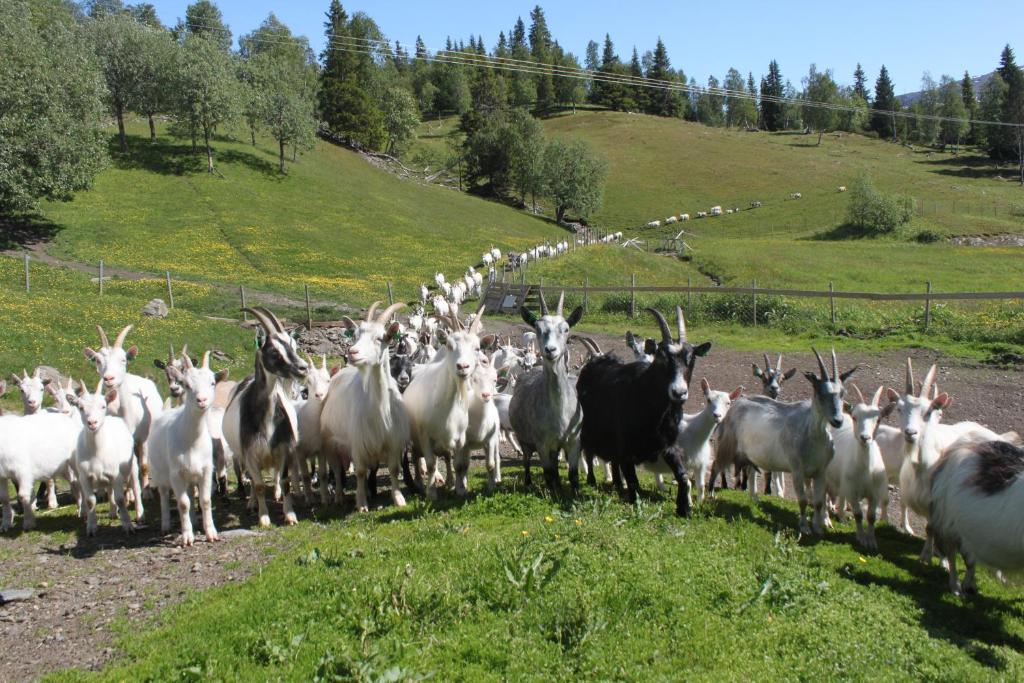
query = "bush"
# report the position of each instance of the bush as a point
(928, 237)
(876, 212)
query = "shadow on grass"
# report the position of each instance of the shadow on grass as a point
(964, 166)
(26, 229)
(846, 231)
(169, 156)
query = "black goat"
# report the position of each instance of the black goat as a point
(631, 411)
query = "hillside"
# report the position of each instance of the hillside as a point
(334, 222)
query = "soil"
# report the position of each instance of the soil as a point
(84, 585)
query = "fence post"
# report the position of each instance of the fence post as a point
(170, 292)
(689, 293)
(928, 305)
(27, 287)
(391, 295)
(586, 297)
(309, 314)
(632, 296)
(101, 277)
(753, 294)
(831, 302)
(241, 293)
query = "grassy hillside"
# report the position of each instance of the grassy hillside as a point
(517, 586)
(334, 222)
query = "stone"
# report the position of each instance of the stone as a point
(238, 533)
(15, 594)
(155, 308)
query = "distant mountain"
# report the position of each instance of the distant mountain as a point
(909, 98)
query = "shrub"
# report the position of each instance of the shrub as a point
(928, 237)
(876, 212)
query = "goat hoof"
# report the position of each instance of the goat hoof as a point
(212, 536)
(363, 508)
(188, 540)
(265, 521)
(290, 519)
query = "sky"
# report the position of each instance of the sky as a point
(703, 38)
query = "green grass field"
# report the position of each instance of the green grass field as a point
(334, 221)
(517, 586)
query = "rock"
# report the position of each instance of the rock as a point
(238, 533)
(156, 308)
(196, 568)
(15, 594)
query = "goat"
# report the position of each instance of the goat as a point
(857, 471)
(841, 188)
(977, 493)
(318, 379)
(364, 421)
(795, 195)
(484, 428)
(181, 450)
(32, 391)
(260, 424)
(544, 411)
(438, 400)
(771, 383)
(105, 457)
(641, 351)
(715, 211)
(139, 401)
(694, 439)
(632, 411)
(787, 437)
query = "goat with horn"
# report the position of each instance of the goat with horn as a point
(632, 411)
(260, 424)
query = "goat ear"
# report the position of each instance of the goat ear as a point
(488, 342)
(843, 376)
(393, 330)
(174, 373)
(348, 322)
(735, 394)
(650, 347)
(702, 350)
(159, 363)
(757, 371)
(891, 394)
(812, 378)
(111, 396)
(887, 410)
(335, 370)
(132, 352)
(90, 354)
(847, 408)
(527, 315)
(789, 373)
(575, 316)
(15, 378)
(941, 402)
(72, 399)
(46, 381)
(221, 376)
(705, 385)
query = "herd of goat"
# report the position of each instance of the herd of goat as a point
(413, 394)
(717, 211)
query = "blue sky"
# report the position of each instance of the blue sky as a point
(909, 36)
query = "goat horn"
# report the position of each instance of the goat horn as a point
(261, 318)
(590, 345)
(184, 350)
(119, 342)
(821, 364)
(170, 353)
(860, 396)
(835, 366)
(778, 365)
(929, 379)
(910, 378)
(561, 304)
(666, 334)
(277, 326)
(372, 309)
(681, 324)
(478, 320)
(206, 360)
(186, 362)
(388, 312)
(543, 303)
(878, 396)
(323, 362)
(767, 363)
(103, 336)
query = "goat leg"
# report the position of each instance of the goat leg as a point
(629, 474)
(591, 479)
(683, 502)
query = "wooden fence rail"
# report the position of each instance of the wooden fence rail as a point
(798, 293)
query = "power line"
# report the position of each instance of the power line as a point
(380, 48)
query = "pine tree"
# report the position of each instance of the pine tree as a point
(885, 101)
(637, 94)
(1007, 142)
(592, 63)
(860, 83)
(772, 114)
(605, 93)
(522, 87)
(971, 106)
(662, 102)
(540, 50)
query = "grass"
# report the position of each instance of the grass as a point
(333, 222)
(517, 586)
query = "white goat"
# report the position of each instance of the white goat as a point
(318, 380)
(181, 450)
(364, 421)
(977, 496)
(438, 403)
(104, 457)
(484, 429)
(857, 471)
(139, 401)
(32, 388)
(841, 188)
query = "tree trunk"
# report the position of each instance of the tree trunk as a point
(295, 152)
(252, 133)
(209, 150)
(119, 112)
(192, 131)
(820, 133)
(559, 214)
(280, 145)
(152, 128)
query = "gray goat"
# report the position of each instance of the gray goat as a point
(544, 412)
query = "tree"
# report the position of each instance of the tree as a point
(608, 93)
(860, 86)
(574, 178)
(527, 159)
(951, 106)
(819, 87)
(203, 18)
(990, 107)
(522, 85)
(207, 88)
(156, 76)
(119, 42)
(344, 101)
(493, 144)
(885, 101)
(875, 212)
(1007, 142)
(568, 90)
(739, 109)
(928, 107)
(400, 119)
(540, 51)
(971, 107)
(145, 14)
(592, 63)
(855, 117)
(662, 101)
(51, 108)
(710, 103)
(772, 117)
